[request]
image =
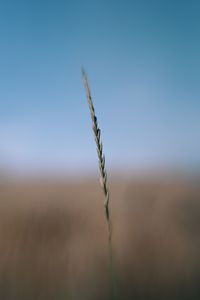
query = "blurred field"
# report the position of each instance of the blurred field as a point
(53, 239)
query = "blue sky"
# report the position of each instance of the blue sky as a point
(143, 62)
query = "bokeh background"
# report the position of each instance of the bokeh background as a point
(142, 59)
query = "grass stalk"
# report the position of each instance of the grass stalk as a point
(103, 179)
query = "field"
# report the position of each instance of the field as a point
(53, 239)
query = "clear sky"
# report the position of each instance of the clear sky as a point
(143, 62)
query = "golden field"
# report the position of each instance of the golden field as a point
(53, 239)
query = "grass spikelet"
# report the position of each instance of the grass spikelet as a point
(103, 177)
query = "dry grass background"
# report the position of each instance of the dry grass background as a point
(53, 242)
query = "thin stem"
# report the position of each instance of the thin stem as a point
(103, 179)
